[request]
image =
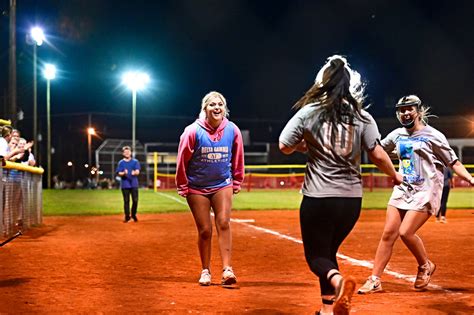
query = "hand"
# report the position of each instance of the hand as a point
(398, 179)
(135, 172)
(301, 147)
(125, 172)
(236, 190)
(28, 146)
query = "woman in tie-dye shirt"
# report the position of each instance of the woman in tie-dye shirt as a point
(423, 153)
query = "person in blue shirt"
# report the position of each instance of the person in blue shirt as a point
(128, 169)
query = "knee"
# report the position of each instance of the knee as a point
(205, 233)
(389, 235)
(405, 234)
(223, 224)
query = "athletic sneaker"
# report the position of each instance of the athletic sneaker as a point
(344, 292)
(205, 279)
(443, 219)
(228, 276)
(424, 274)
(370, 286)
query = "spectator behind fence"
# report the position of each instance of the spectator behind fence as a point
(5, 149)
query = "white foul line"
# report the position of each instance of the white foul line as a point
(353, 261)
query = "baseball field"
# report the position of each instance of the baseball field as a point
(83, 259)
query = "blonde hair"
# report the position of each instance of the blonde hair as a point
(205, 101)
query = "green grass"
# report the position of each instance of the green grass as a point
(101, 202)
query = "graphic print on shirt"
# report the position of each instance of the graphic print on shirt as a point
(410, 165)
(214, 154)
(342, 144)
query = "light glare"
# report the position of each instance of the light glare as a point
(49, 71)
(91, 131)
(135, 80)
(38, 35)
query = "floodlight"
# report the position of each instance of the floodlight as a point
(49, 71)
(37, 35)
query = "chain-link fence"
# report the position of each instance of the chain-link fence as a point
(21, 198)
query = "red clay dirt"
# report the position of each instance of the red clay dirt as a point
(101, 265)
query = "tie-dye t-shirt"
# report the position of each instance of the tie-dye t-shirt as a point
(422, 156)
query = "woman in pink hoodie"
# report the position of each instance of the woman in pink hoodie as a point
(210, 169)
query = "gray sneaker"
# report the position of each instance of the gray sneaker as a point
(344, 292)
(424, 274)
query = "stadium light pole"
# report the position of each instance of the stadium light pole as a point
(135, 81)
(36, 38)
(49, 72)
(90, 133)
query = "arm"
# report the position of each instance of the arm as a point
(185, 152)
(381, 159)
(12, 155)
(121, 171)
(291, 137)
(461, 171)
(237, 162)
(300, 147)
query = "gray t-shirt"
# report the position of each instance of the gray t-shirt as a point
(333, 167)
(422, 156)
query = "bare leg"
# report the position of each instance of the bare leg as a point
(222, 205)
(411, 223)
(201, 208)
(393, 221)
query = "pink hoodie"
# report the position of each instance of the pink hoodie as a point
(186, 150)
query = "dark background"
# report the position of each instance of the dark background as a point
(262, 55)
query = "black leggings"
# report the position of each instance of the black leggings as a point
(126, 192)
(325, 223)
(444, 201)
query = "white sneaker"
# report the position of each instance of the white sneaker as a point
(443, 220)
(371, 286)
(228, 276)
(205, 279)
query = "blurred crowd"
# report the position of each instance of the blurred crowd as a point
(14, 148)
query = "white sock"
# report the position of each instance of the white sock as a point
(374, 278)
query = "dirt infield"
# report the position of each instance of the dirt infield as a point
(100, 265)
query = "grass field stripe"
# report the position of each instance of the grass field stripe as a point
(178, 200)
(353, 261)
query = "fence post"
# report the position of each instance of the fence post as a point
(371, 181)
(155, 170)
(249, 183)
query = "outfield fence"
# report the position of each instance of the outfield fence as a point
(21, 198)
(291, 176)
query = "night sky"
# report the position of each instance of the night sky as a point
(262, 55)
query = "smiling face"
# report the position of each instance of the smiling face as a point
(215, 110)
(127, 153)
(408, 116)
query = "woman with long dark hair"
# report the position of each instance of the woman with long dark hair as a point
(332, 128)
